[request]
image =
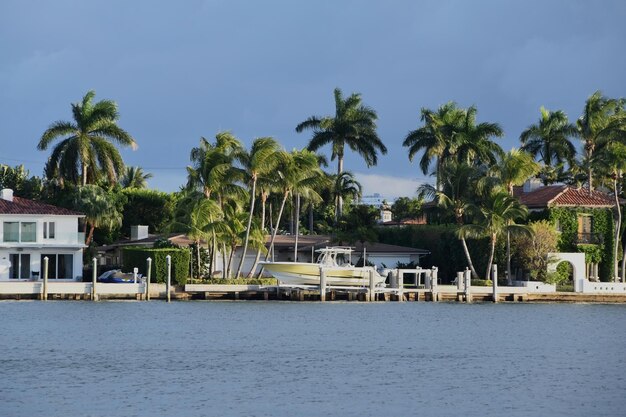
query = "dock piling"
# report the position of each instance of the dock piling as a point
(322, 284)
(468, 285)
(149, 273)
(94, 279)
(371, 295)
(44, 295)
(168, 288)
(494, 279)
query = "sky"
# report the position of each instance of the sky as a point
(180, 70)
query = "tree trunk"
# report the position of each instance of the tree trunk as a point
(280, 213)
(84, 174)
(493, 250)
(225, 262)
(198, 258)
(618, 226)
(258, 252)
(295, 247)
(311, 218)
(508, 258)
(469, 259)
(245, 242)
(90, 235)
(339, 210)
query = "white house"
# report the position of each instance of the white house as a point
(31, 230)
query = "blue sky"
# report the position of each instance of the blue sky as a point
(180, 70)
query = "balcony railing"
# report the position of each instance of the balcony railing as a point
(75, 238)
(588, 238)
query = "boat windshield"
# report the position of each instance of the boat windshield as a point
(334, 256)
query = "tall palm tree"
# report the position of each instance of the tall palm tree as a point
(214, 173)
(549, 140)
(353, 125)
(613, 160)
(457, 196)
(513, 169)
(196, 215)
(601, 120)
(261, 161)
(87, 146)
(451, 134)
(134, 177)
(472, 142)
(98, 207)
(297, 171)
(496, 216)
(434, 138)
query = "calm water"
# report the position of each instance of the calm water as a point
(308, 359)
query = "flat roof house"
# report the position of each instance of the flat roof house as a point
(31, 230)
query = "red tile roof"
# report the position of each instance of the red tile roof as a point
(25, 206)
(562, 196)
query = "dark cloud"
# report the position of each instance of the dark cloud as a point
(181, 70)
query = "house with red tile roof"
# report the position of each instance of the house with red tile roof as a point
(31, 231)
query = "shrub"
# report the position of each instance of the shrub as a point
(136, 257)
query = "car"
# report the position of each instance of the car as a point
(116, 276)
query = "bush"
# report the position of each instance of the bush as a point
(136, 257)
(481, 283)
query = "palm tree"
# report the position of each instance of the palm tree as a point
(99, 209)
(134, 177)
(496, 216)
(214, 174)
(549, 140)
(345, 185)
(451, 134)
(298, 170)
(601, 120)
(613, 159)
(514, 169)
(434, 138)
(261, 161)
(472, 142)
(87, 145)
(354, 125)
(456, 196)
(198, 213)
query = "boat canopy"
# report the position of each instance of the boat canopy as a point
(328, 255)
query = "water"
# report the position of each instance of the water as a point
(311, 359)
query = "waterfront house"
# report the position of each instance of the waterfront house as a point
(30, 231)
(584, 220)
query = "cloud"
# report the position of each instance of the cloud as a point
(390, 186)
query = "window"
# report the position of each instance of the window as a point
(11, 232)
(48, 230)
(585, 224)
(60, 266)
(28, 232)
(20, 232)
(20, 266)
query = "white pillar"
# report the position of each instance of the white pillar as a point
(168, 295)
(149, 266)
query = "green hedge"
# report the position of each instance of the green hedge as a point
(136, 257)
(446, 250)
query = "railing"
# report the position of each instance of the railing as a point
(588, 238)
(71, 238)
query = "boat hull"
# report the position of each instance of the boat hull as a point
(299, 273)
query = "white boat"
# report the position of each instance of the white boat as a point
(336, 263)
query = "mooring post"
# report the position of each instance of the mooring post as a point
(459, 281)
(322, 284)
(400, 285)
(434, 283)
(370, 292)
(468, 285)
(149, 274)
(494, 280)
(44, 294)
(94, 279)
(168, 294)
(135, 271)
